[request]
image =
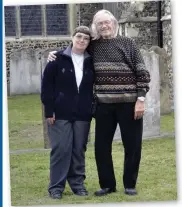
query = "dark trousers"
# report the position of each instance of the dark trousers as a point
(107, 117)
(68, 142)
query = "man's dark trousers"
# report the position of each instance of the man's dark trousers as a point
(107, 117)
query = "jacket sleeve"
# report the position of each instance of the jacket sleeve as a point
(142, 74)
(47, 88)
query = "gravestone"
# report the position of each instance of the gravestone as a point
(25, 72)
(151, 119)
(165, 103)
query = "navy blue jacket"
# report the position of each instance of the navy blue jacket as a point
(59, 92)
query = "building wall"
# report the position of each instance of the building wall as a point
(33, 26)
(166, 7)
(146, 32)
(87, 12)
(36, 20)
(146, 35)
(141, 8)
(34, 44)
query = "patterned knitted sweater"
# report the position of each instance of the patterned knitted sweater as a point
(121, 75)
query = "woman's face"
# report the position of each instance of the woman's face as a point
(80, 41)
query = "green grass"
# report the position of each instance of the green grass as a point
(156, 182)
(25, 122)
(167, 123)
(30, 171)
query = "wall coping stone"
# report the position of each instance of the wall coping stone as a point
(62, 38)
(137, 20)
(142, 19)
(166, 18)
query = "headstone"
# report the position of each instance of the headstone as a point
(165, 103)
(25, 72)
(151, 119)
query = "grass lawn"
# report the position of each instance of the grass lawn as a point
(30, 171)
(25, 122)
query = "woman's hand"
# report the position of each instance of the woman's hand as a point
(51, 120)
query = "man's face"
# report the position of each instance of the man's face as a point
(80, 41)
(105, 26)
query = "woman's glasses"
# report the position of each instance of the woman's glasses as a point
(80, 37)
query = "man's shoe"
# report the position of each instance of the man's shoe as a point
(80, 192)
(130, 191)
(56, 195)
(105, 191)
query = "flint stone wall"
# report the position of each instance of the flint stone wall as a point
(14, 48)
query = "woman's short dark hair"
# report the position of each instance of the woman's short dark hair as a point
(82, 29)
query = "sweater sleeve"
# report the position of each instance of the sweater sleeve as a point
(47, 89)
(142, 74)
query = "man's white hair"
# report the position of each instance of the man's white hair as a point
(94, 32)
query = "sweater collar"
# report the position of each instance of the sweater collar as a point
(68, 50)
(109, 40)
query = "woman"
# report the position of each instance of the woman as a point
(121, 84)
(67, 92)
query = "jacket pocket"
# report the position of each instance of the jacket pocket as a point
(59, 97)
(61, 103)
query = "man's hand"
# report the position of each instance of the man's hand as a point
(51, 56)
(139, 109)
(51, 120)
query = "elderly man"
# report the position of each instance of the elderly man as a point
(121, 84)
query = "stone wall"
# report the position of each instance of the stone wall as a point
(26, 65)
(146, 32)
(85, 13)
(167, 39)
(31, 43)
(167, 45)
(166, 7)
(139, 9)
(146, 35)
